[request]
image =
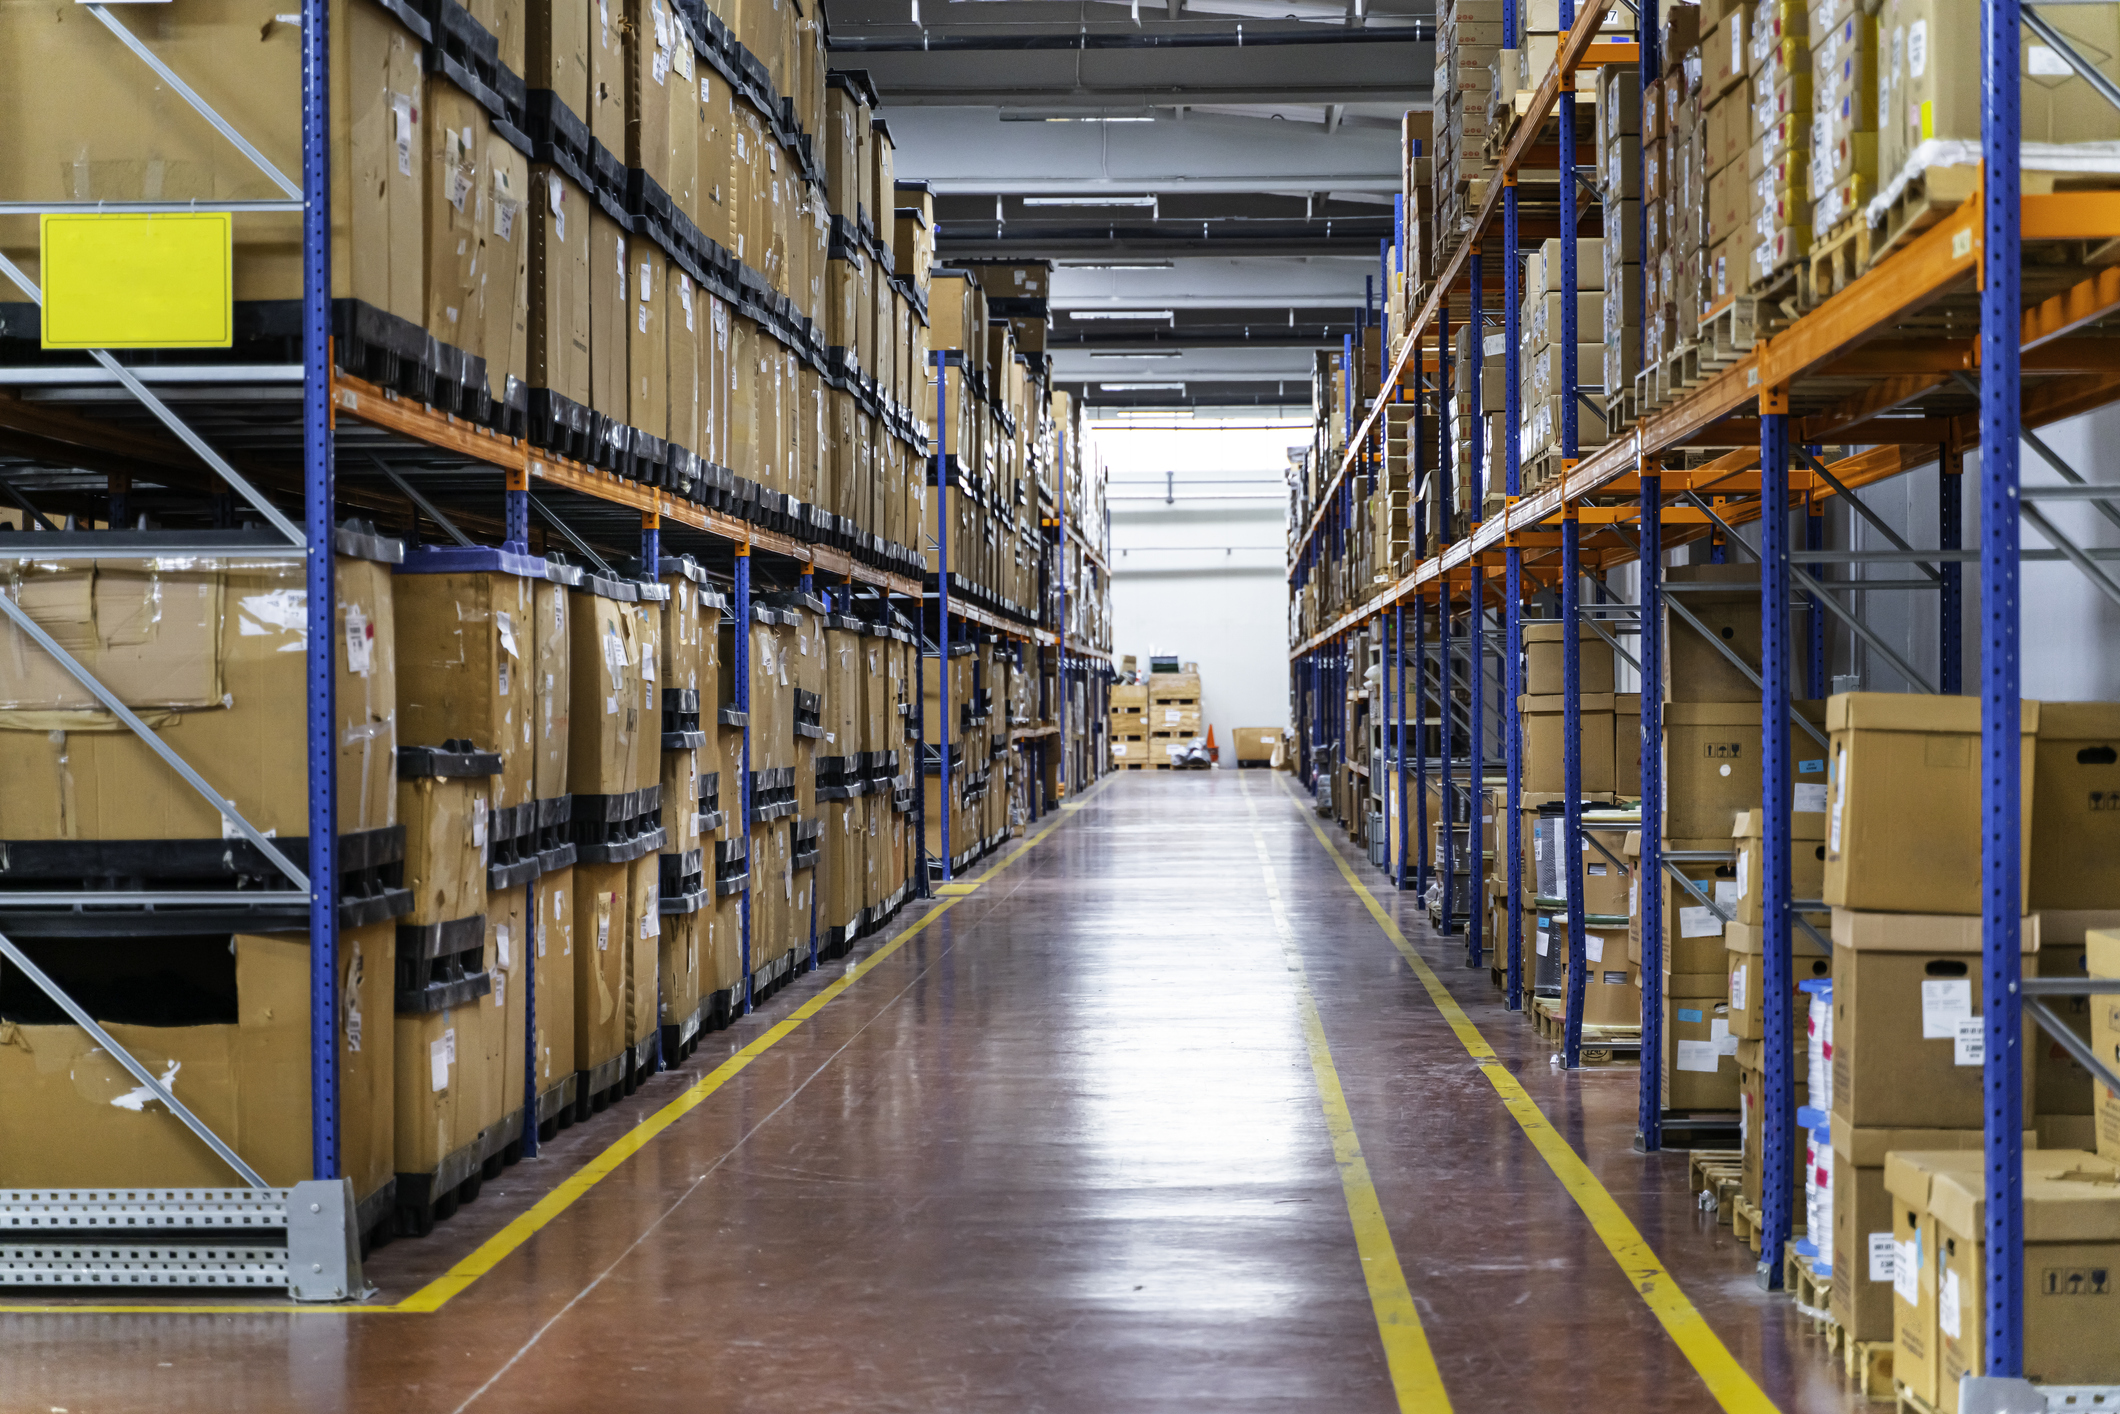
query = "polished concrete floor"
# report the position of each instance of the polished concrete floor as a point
(1063, 1150)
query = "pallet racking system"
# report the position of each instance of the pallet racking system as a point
(362, 446)
(1957, 326)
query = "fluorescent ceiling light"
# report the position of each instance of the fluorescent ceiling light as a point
(1163, 314)
(1142, 387)
(1120, 264)
(1091, 201)
(1172, 354)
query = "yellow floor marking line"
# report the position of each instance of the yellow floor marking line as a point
(1414, 1376)
(497, 1248)
(1728, 1381)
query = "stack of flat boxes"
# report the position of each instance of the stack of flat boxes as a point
(1469, 40)
(1174, 706)
(1128, 725)
(1727, 117)
(1844, 91)
(1619, 177)
(1907, 986)
(1542, 709)
(1685, 193)
(1540, 371)
(1489, 348)
(1778, 165)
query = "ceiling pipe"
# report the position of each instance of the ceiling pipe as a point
(927, 42)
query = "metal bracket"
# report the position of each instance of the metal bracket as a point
(426, 506)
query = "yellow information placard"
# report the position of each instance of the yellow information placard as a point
(164, 280)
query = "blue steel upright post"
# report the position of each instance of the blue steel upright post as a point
(743, 773)
(1571, 851)
(1446, 824)
(1512, 568)
(1420, 745)
(1778, 1078)
(1476, 638)
(319, 494)
(942, 593)
(1398, 732)
(1950, 606)
(2001, 875)
(1648, 867)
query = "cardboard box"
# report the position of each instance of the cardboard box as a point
(1700, 1054)
(1692, 934)
(1863, 1246)
(446, 835)
(1903, 813)
(1546, 662)
(1807, 863)
(602, 910)
(2073, 860)
(643, 948)
(1752, 1113)
(1743, 945)
(557, 285)
(1696, 669)
(2072, 1238)
(210, 658)
(1255, 744)
(556, 50)
(1544, 769)
(1906, 1025)
(239, 1036)
(615, 719)
(1611, 997)
(464, 670)
(552, 932)
(2102, 959)
(1712, 765)
(552, 689)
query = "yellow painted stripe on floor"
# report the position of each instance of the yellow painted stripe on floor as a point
(1731, 1385)
(497, 1248)
(1414, 1376)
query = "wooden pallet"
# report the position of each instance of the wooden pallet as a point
(1728, 332)
(1719, 1172)
(1601, 1045)
(1866, 1363)
(1908, 1402)
(1746, 1221)
(1838, 257)
(1812, 1293)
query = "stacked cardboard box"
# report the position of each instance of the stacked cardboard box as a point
(1541, 324)
(1619, 176)
(1175, 706)
(1469, 42)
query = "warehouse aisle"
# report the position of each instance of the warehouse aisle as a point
(1063, 1149)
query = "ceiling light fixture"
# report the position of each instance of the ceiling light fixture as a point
(1089, 201)
(1118, 265)
(1142, 387)
(1174, 353)
(1163, 314)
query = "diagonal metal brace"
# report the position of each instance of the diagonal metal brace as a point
(1857, 505)
(2038, 521)
(412, 494)
(139, 1072)
(205, 110)
(2079, 1049)
(161, 748)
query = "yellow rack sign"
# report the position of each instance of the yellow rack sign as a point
(147, 281)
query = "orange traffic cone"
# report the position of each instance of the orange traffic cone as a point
(1212, 753)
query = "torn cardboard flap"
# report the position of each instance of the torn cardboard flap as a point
(150, 632)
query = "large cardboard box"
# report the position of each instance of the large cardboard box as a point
(1696, 669)
(557, 286)
(1752, 1118)
(1546, 660)
(230, 1015)
(2072, 1242)
(610, 317)
(1907, 994)
(552, 690)
(615, 720)
(553, 976)
(1544, 722)
(446, 835)
(1611, 996)
(1712, 768)
(2102, 959)
(210, 658)
(1700, 1054)
(1744, 945)
(2074, 856)
(602, 910)
(1807, 863)
(1864, 1249)
(464, 668)
(556, 50)
(1903, 803)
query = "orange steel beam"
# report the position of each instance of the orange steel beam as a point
(2073, 308)
(1879, 398)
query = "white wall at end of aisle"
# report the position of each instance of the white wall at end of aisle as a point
(1204, 577)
